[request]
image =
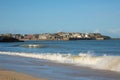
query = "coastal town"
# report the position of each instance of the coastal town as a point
(57, 36)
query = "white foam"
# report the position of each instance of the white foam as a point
(99, 62)
(32, 45)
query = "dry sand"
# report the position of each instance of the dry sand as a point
(11, 75)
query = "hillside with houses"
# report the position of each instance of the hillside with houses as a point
(58, 36)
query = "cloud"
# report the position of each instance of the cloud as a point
(114, 31)
(97, 31)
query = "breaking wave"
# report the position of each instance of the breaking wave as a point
(98, 62)
(33, 45)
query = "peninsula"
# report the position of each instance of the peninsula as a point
(56, 36)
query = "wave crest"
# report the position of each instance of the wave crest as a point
(33, 45)
(98, 62)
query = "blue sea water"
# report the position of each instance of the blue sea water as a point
(62, 60)
(109, 47)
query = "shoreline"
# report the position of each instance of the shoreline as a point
(12, 75)
(64, 69)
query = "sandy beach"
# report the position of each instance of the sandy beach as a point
(11, 75)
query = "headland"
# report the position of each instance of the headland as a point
(56, 36)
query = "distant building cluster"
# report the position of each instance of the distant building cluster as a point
(59, 36)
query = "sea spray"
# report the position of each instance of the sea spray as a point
(105, 62)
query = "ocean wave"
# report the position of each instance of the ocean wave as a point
(105, 62)
(33, 45)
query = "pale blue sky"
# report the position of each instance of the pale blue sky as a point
(50, 16)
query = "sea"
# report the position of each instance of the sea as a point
(63, 60)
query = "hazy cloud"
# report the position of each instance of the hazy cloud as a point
(97, 31)
(114, 31)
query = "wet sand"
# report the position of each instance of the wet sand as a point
(11, 75)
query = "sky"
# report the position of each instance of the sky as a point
(51, 16)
